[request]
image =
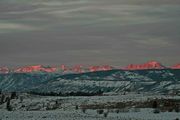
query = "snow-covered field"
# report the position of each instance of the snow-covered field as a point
(34, 107)
(89, 115)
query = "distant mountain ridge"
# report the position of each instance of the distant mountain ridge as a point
(59, 69)
(148, 65)
(35, 68)
(116, 80)
(4, 70)
(177, 66)
(83, 69)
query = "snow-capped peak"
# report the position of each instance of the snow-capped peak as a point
(35, 68)
(148, 65)
(4, 70)
(82, 69)
(177, 66)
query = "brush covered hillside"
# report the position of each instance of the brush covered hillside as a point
(116, 80)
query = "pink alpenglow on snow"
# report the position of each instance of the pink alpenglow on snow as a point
(177, 66)
(82, 69)
(100, 68)
(4, 70)
(35, 69)
(148, 65)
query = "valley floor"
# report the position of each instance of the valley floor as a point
(34, 107)
(89, 115)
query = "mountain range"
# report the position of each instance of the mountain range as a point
(82, 69)
(148, 77)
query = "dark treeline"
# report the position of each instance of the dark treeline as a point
(67, 94)
(6, 98)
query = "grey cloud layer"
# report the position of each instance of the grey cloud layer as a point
(115, 32)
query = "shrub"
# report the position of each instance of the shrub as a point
(100, 111)
(106, 114)
(2, 99)
(117, 111)
(8, 106)
(176, 109)
(83, 110)
(13, 95)
(21, 99)
(155, 104)
(170, 110)
(23, 106)
(76, 107)
(156, 111)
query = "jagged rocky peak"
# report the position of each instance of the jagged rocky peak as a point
(82, 69)
(148, 65)
(100, 68)
(177, 66)
(35, 68)
(4, 70)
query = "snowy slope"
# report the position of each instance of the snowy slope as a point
(154, 80)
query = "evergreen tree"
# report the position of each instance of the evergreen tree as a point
(155, 104)
(8, 106)
(13, 95)
(2, 99)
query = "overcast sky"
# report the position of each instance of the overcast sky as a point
(90, 32)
